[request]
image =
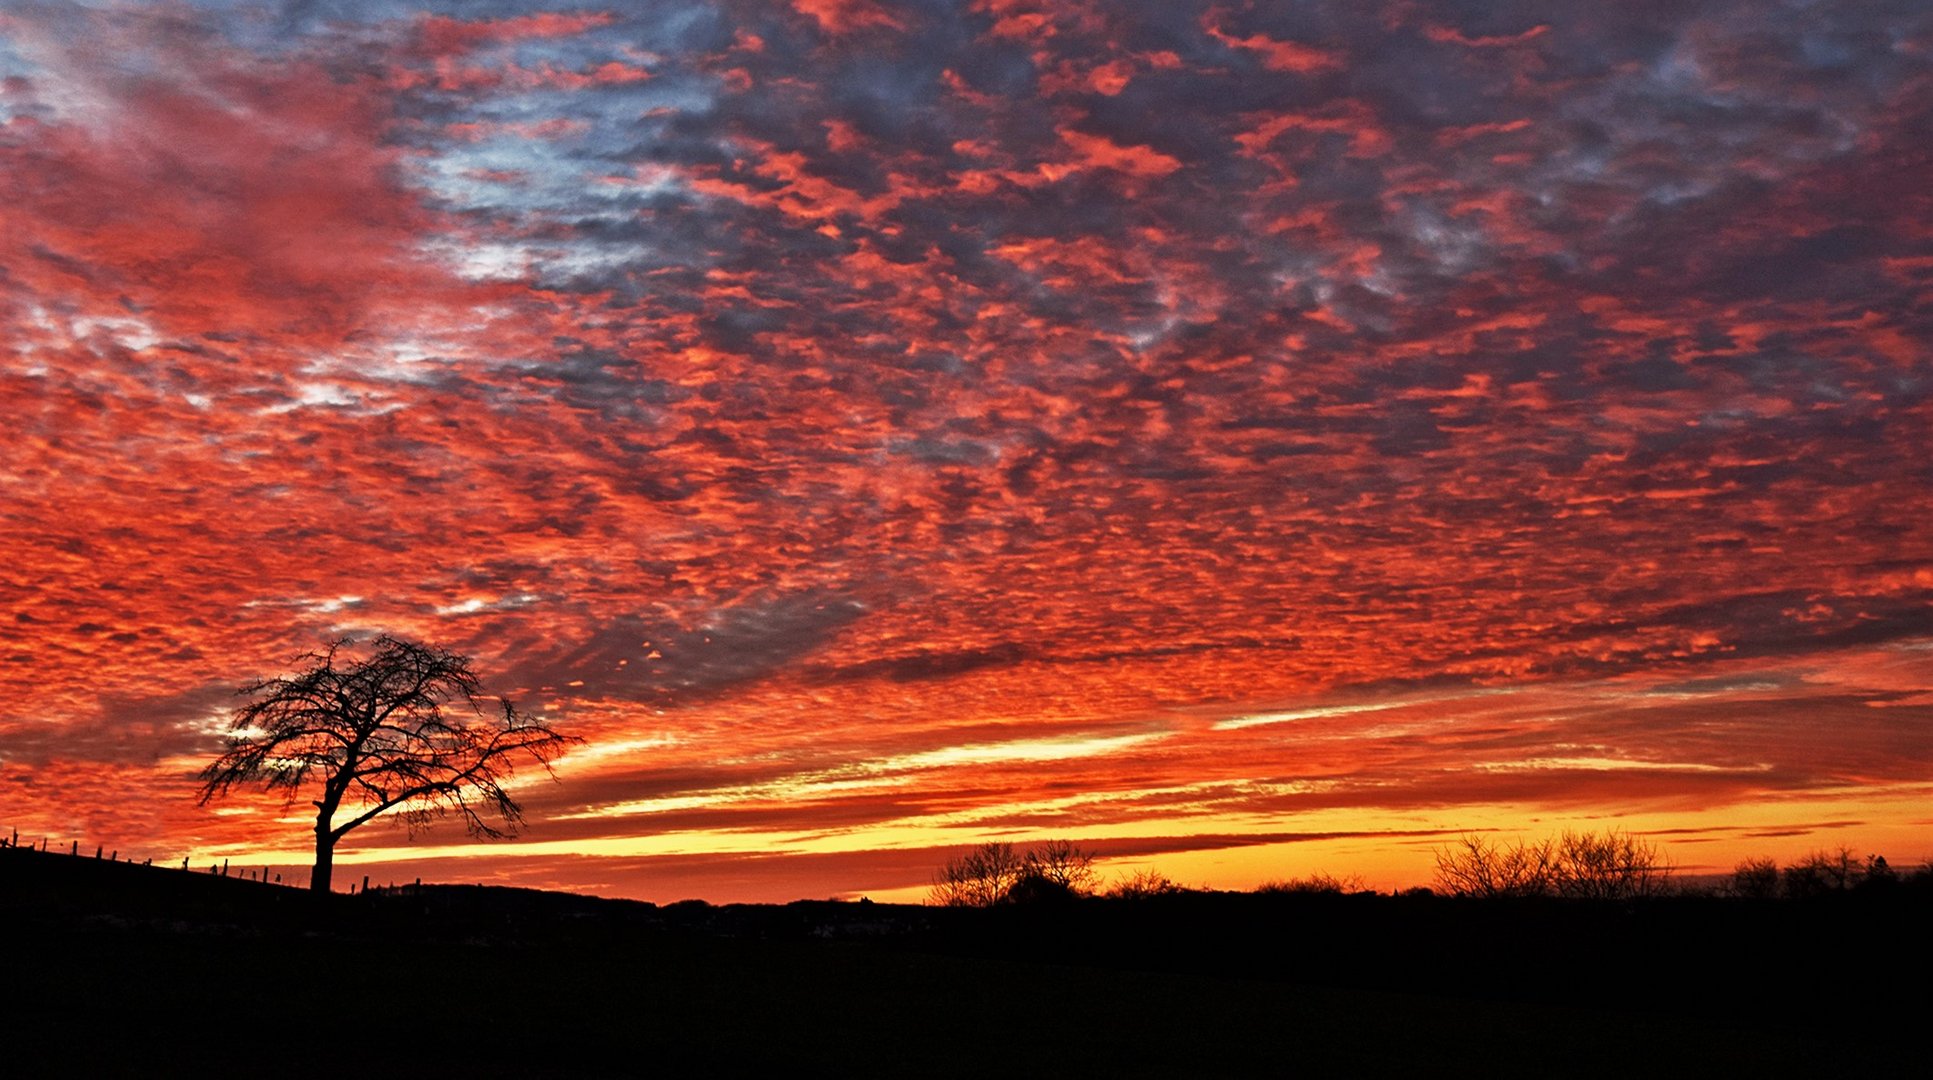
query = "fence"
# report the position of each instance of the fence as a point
(267, 875)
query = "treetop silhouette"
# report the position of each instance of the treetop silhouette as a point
(401, 729)
(995, 873)
(1612, 865)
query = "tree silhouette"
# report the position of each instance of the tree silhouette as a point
(980, 877)
(1063, 866)
(1612, 865)
(1823, 873)
(1756, 879)
(1475, 866)
(400, 729)
(994, 873)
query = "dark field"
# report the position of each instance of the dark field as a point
(118, 969)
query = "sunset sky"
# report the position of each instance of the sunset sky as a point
(1247, 439)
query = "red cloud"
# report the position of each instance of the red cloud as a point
(1451, 35)
(1276, 55)
(444, 36)
(1098, 152)
(842, 16)
(253, 199)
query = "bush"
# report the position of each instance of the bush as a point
(1144, 883)
(1823, 873)
(1755, 879)
(1317, 884)
(1920, 877)
(1880, 875)
(1035, 889)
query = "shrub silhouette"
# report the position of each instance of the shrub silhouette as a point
(1035, 889)
(1144, 883)
(1879, 874)
(1823, 873)
(1317, 884)
(1755, 879)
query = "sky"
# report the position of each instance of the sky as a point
(1247, 439)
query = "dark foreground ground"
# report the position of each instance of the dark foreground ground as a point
(111, 969)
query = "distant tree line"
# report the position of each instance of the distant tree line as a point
(1587, 865)
(1615, 865)
(1823, 873)
(998, 873)
(1317, 884)
(1610, 865)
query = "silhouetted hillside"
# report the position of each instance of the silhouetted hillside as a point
(122, 969)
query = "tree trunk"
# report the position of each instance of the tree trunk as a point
(325, 861)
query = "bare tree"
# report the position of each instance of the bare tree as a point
(1610, 865)
(994, 873)
(400, 729)
(1755, 879)
(1478, 867)
(1822, 873)
(1063, 866)
(980, 877)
